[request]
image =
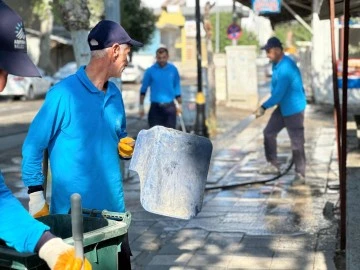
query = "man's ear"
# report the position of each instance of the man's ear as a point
(115, 49)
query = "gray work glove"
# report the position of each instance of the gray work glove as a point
(259, 112)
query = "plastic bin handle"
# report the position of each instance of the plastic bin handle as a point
(77, 225)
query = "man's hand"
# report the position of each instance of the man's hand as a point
(141, 111)
(59, 256)
(259, 112)
(178, 107)
(38, 206)
(126, 147)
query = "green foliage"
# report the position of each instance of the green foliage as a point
(225, 19)
(138, 21)
(300, 33)
(41, 8)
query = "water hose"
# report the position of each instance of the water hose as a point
(253, 182)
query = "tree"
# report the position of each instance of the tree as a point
(137, 20)
(211, 102)
(75, 16)
(43, 10)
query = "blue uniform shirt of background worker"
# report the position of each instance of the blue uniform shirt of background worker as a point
(287, 90)
(164, 82)
(81, 127)
(287, 93)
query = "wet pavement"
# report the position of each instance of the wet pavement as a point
(251, 226)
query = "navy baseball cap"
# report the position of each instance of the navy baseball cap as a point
(106, 33)
(272, 42)
(13, 52)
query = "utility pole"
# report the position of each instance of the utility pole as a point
(200, 126)
(112, 12)
(217, 47)
(234, 17)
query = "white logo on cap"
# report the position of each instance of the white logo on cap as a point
(94, 42)
(20, 40)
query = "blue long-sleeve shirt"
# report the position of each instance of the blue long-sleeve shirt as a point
(164, 83)
(81, 127)
(287, 89)
(17, 227)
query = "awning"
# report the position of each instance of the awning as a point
(339, 9)
(302, 7)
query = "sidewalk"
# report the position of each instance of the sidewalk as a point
(258, 226)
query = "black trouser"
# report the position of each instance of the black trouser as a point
(295, 128)
(162, 114)
(124, 255)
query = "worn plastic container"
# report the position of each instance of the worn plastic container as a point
(102, 241)
(172, 167)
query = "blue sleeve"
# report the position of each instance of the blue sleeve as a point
(46, 124)
(279, 89)
(146, 82)
(177, 83)
(18, 228)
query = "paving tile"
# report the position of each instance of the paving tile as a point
(294, 263)
(171, 260)
(247, 262)
(325, 261)
(205, 260)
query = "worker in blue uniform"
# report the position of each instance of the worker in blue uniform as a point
(82, 123)
(164, 81)
(288, 94)
(18, 229)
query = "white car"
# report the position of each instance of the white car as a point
(65, 71)
(27, 87)
(132, 74)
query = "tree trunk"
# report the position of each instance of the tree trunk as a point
(212, 90)
(75, 16)
(46, 25)
(211, 103)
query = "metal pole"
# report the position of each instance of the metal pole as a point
(344, 123)
(112, 10)
(198, 45)
(337, 111)
(200, 122)
(217, 43)
(234, 41)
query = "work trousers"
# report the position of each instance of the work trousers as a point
(162, 114)
(295, 128)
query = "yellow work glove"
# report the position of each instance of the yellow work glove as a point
(61, 256)
(126, 147)
(38, 206)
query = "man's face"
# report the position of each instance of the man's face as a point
(121, 55)
(3, 79)
(274, 54)
(162, 58)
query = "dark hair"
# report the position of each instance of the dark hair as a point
(162, 50)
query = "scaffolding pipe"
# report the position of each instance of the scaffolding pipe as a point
(297, 17)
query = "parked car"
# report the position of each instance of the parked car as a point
(132, 74)
(27, 87)
(65, 71)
